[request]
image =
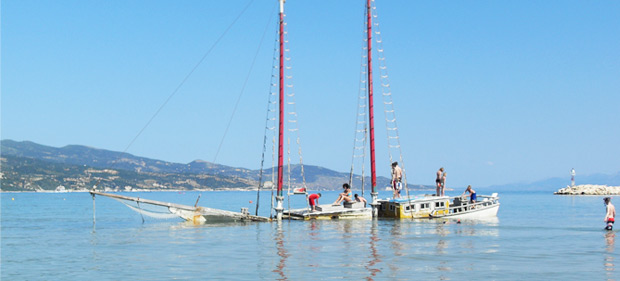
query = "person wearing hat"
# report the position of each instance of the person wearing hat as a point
(610, 214)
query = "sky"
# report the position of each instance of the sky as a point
(496, 92)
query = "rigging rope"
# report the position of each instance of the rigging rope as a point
(247, 78)
(388, 104)
(270, 125)
(152, 214)
(176, 90)
(361, 125)
(190, 73)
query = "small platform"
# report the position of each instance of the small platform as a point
(349, 210)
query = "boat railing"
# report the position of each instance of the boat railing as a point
(466, 205)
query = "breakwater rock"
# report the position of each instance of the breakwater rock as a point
(589, 189)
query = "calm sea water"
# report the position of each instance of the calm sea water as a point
(536, 236)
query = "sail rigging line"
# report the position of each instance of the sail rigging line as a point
(138, 203)
(388, 104)
(293, 128)
(269, 126)
(245, 83)
(176, 90)
(362, 105)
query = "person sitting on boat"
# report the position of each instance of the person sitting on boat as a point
(313, 199)
(344, 196)
(610, 214)
(472, 194)
(397, 175)
(360, 199)
(438, 179)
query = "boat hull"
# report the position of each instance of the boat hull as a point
(326, 212)
(439, 207)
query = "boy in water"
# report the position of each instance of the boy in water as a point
(611, 213)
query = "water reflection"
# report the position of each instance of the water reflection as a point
(397, 245)
(442, 231)
(396, 242)
(375, 258)
(315, 235)
(282, 253)
(610, 239)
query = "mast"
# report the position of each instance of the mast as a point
(371, 120)
(280, 197)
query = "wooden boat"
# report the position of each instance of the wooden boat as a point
(430, 206)
(348, 210)
(193, 214)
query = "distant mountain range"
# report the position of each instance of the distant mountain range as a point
(27, 166)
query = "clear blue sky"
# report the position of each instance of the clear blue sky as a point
(494, 91)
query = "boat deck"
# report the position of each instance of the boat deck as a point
(346, 211)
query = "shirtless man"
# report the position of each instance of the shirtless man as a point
(438, 180)
(611, 213)
(397, 175)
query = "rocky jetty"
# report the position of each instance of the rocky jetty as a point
(589, 189)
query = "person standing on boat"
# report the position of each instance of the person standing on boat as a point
(472, 194)
(360, 199)
(443, 184)
(313, 199)
(397, 176)
(438, 180)
(344, 196)
(610, 214)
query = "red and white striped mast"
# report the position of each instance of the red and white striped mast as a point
(373, 173)
(280, 197)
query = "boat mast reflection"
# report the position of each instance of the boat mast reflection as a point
(282, 252)
(375, 258)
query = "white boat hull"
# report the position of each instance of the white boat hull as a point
(477, 214)
(328, 212)
(440, 207)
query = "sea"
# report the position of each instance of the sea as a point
(70, 236)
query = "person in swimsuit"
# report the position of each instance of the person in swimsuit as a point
(472, 194)
(313, 199)
(443, 184)
(397, 176)
(610, 215)
(344, 196)
(438, 180)
(360, 199)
